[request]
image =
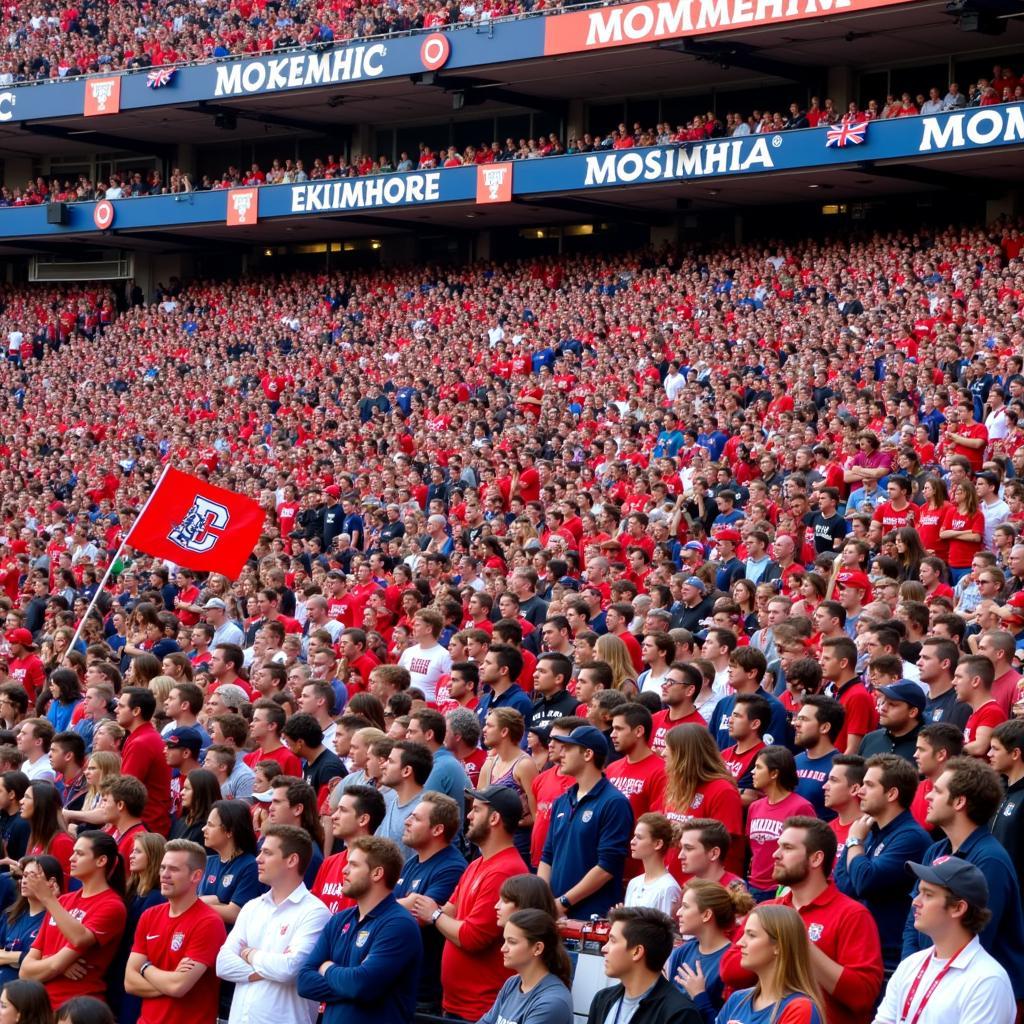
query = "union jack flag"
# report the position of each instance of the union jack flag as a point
(159, 77)
(849, 133)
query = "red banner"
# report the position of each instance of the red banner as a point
(198, 526)
(648, 22)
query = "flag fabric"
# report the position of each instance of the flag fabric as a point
(159, 77)
(848, 133)
(193, 524)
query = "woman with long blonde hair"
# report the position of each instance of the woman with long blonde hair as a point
(700, 786)
(611, 650)
(102, 765)
(775, 947)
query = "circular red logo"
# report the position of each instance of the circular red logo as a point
(435, 51)
(103, 215)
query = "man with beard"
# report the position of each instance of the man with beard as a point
(846, 955)
(472, 966)
(365, 965)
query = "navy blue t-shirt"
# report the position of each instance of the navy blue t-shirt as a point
(813, 774)
(17, 937)
(234, 881)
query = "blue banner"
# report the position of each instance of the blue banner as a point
(898, 139)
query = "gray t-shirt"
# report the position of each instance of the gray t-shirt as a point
(549, 1002)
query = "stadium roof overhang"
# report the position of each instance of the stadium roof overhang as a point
(981, 173)
(799, 52)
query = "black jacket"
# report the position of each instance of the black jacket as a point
(664, 1004)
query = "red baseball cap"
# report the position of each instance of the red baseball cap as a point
(857, 580)
(20, 636)
(729, 534)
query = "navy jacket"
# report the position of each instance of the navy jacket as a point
(778, 732)
(376, 966)
(590, 832)
(1003, 937)
(878, 878)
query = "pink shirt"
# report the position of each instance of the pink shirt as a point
(764, 826)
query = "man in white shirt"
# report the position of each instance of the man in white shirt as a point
(994, 509)
(34, 738)
(426, 661)
(955, 979)
(273, 935)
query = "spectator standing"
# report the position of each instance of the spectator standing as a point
(273, 934)
(472, 967)
(878, 845)
(406, 771)
(426, 660)
(143, 755)
(176, 944)
(901, 708)
(365, 964)
(428, 727)
(231, 878)
(591, 825)
(956, 979)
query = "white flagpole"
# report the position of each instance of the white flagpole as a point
(113, 561)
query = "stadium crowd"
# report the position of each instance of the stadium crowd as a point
(688, 594)
(1002, 86)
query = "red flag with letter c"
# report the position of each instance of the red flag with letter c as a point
(198, 526)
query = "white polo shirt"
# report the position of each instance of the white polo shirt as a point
(976, 990)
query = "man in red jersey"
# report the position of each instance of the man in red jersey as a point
(639, 774)
(143, 755)
(80, 931)
(846, 954)
(174, 955)
(679, 691)
(268, 720)
(838, 661)
(550, 784)
(359, 812)
(24, 664)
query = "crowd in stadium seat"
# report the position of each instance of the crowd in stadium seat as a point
(1002, 87)
(48, 42)
(701, 567)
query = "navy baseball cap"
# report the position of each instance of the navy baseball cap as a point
(905, 691)
(185, 737)
(588, 737)
(964, 880)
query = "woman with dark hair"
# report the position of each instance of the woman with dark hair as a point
(909, 553)
(369, 706)
(142, 892)
(538, 992)
(775, 777)
(231, 878)
(199, 793)
(524, 892)
(82, 929)
(84, 1010)
(20, 925)
(27, 1000)
(40, 807)
(931, 516)
(66, 694)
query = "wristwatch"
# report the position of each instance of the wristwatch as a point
(435, 915)
(564, 900)
(854, 841)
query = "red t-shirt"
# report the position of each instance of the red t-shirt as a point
(989, 714)
(165, 941)
(633, 646)
(976, 456)
(893, 519)
(664, 723)
(718, 799)
(929, 523)
(962, 552)
(289, 763)
(28, 672)
(327, 886)
(919, 806)
(547, 787)
(861, 713)
(643, 784)
(473, 972)
(764, 826)
(143, 757)
(739, 764)
(104, 915)
(475, 762)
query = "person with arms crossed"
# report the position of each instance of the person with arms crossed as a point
(171, 964)
(955, 979)
(273, 934)
(81, 930)
(639, 944)
(365, 965)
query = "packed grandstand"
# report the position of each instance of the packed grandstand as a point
(519, 604)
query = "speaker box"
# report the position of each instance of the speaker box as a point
(57, 213)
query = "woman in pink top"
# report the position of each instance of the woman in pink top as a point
(774, 776)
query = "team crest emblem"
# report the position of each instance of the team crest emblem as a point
(177, 941)
(201, 528)
(362, 938)
(228, 879)
(587, 815)
(697, 801)
(814, 932)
